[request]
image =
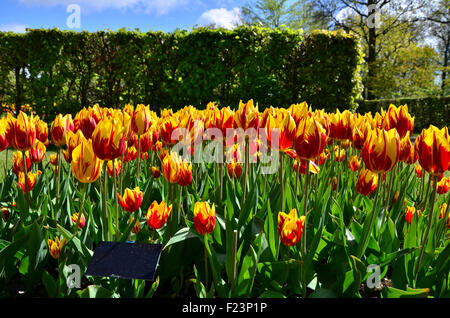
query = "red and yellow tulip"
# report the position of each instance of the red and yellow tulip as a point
(367, 182)
(157, 214)
(381, 150)
(204, 217)
(55, 247)
(131, 200)
(85, 165)
(290, 227)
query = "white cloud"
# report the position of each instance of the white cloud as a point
(17, 28)
(221, 18)
(160, 7)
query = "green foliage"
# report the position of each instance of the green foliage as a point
(62, 71)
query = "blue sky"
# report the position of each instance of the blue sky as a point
(164, 15)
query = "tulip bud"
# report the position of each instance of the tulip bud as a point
(117, 167)
(290, 227)
(367, 182)
(55, 247)
(204, 217)
(131, 200)
(409, 213)
(141, 120)
(60, 126)
(310, 140)
(354, 163)
(22, 132)
(156, 172)
(74, 218)
(158, 214)
(31, 179)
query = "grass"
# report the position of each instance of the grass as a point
(10, 154)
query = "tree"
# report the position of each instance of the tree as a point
(274, 13)
(364, 15)
(439, 28)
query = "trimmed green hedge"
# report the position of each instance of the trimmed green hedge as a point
(427, 110)
(273, 66)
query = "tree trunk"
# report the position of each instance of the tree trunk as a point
(18, 88)
(372, 56)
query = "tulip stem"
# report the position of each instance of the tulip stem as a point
(58, 172)
(117, 200)
(81, 211)
(425, 199)
(27, 194)
(105, 208)
(338, 168)
(305, 213)
(282, 182)
(6, 164)
(233, 268)
(430, 222)
(138, 160)
(206, 264)
(244, 179)
(386, 204)
(363, 243)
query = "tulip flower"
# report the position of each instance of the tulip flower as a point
(137, 225)
(354, 163)
(55, 247)
(397, 194)
(324, 156)
(157, 214)
(72, 141)
(89, 118)
(41, 130)
(247, 116)
(3, 138)
(409, 213)
(223, 119)
(398, 118)
(367, 182)
(171, 167)
(204, 217)
(156, 172)
(22, 132)
(117, 167)
(131, 154)
(339, 125)
(141, 120)
(82, 222)
(31, 180)
(131, 200)
(381, 150)
(339, 154)
(443, 186)
(290, 227)
(108, 139)
(85, 165)
(5, 213)
(310, 140)
(418, 169)
(60, 126)
(301, 168)
(37, 153)
(146, 141)
(185, 177)
(359, 134)
(298, 111)
(18, 162)
(335, 181)
(167, 128)
(442, 215)
(234, 168)
(406, 148)
(287, 131)
(433, 150)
